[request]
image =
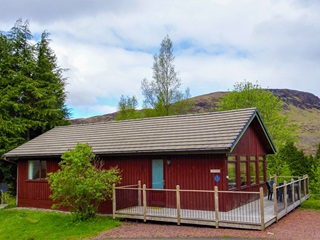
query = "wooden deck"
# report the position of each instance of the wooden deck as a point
(249, 217)
(251, 210)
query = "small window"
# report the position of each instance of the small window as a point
(37, 169)
(243, 171)
(253, 169)
(232, 170)
(261, 169)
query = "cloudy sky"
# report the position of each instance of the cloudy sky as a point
(108, 45)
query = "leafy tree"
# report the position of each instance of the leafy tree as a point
(127, 108)
(81, 184)
(162, 95)
(32, 93)
(298, 162)
(248, 95)
(315, 182)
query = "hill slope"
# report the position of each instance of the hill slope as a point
(303, 109)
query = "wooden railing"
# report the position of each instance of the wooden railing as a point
(289, 195)
(237, 209)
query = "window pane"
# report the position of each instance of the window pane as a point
(253, 172)
(232, 158)
(231, 175)
(33, 169)
(43, 169)
(243, 173)
(261, 172)
(243, 158)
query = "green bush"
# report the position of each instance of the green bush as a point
(81, 183)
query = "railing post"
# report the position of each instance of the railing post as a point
(114, 205)
(275, 179)
(299, 189)
(285, 195)
(307, 182)
(144, 196)
(262, 209)
(178, 204)
(216, 205)
(275, 203)
(292, 189)
(139, 193)
(305, 187)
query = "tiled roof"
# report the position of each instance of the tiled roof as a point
(214, 131)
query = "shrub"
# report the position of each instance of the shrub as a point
(81, 183)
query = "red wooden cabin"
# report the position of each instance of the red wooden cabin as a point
(196, 151)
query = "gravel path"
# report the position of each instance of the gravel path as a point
(298, 225)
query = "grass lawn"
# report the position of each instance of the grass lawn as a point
(312, 204)
(33, 225)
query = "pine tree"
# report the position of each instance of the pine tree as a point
(32, 97)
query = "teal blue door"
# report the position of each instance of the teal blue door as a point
(157, 174)
(157, 197)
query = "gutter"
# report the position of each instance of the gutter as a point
(5, 159)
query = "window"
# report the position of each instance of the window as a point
(37, 169)
(261, 169)
(243, 171)
(253, 170)
(232, 170)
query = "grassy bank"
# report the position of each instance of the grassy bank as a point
(32, 224)
(311, 204)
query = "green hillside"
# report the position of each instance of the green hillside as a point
(302, 108)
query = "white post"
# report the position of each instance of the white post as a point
(275, 203)
(305, 187)
(139, 193)
(293, 200)
(178, 204)
(299, 190)
(144, 196)
(285, 196)
(114, 204)
(262, 209)
(216, 205)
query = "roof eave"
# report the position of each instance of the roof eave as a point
(139, 152)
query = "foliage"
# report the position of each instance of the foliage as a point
(276, 165)
(249, 95)
(32, 97)
(162, 95)
(311, 204)
(315, 182)
(81, 184)
(32, 224)
(127, 108)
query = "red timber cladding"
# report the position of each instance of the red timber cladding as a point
(133, 169)
(189, 171)
(192, 172)
(249, 145)
(34, 193)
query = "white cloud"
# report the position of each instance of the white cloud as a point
(108, 45)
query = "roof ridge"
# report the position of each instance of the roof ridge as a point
(160, 117)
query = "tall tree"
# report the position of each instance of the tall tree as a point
(163, 91)
(127, 108)
(32, 93)
(248, 95)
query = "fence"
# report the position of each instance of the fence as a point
(288, 195)
(210, 207)
(236, 209)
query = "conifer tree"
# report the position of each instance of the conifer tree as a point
(32, 96)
